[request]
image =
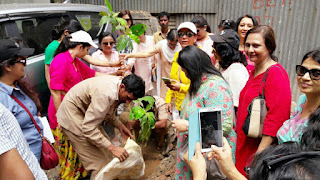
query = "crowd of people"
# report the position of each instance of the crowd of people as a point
(226, 70)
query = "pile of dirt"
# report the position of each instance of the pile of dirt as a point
(160, 164)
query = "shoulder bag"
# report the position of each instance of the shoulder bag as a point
(257, 111)
(49, 157)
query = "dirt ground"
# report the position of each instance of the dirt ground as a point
(160, 164)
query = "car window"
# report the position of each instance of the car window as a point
(89, 21)
(3, 34)
(36, 31)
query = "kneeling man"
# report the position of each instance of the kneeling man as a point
(85, 108)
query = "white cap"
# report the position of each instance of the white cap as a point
(82, 36)
(188, 25)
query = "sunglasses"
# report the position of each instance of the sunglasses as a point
(127, 19)
(23, 61)
(313, 73)
(188, 34)
(108, 43)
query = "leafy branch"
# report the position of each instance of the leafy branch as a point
(120, 25)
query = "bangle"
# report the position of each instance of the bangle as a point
(110, 64)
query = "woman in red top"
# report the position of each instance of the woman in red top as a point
(259, 46)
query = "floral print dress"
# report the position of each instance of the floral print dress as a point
(213, 92)
(292, 129)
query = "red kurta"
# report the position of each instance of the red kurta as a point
(278, 101)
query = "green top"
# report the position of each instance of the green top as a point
(50, 49)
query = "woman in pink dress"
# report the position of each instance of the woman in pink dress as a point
(243, 25)
(66, 70)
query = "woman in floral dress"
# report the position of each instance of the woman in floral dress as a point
(308, 80)
(207, 89)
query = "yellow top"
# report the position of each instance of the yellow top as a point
(177, 74)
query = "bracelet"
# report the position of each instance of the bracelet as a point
(110, 64)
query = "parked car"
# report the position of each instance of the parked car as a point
(33, 23)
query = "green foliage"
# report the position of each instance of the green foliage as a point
(137, 112)
(138, 29)
(108, 5)
(143, 112)
(119, 24)
(147, 123)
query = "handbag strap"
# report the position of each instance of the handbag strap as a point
(264, 80)
(25, 108)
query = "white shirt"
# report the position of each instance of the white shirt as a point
(237, 76)
(143, 66)
(11, 137)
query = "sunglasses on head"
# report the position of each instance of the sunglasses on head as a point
(313, 73)
(188, 34)
(108, 43)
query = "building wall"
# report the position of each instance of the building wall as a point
(23, 1)
(295, 22)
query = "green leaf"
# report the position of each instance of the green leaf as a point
(114, 22)
(122, 21)
(108, 5)
(121, 28)
(131, 115)
(148, 102)
(134, 38)
(138, 112)
(104, 20)
(138, 29)
(151, 119)
(116, 15)
(128, 31)
(103, 13)
(130, 45)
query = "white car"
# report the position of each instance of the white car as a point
(33, 24)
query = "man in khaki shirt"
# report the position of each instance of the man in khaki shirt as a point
(86, 106)
(163, 19)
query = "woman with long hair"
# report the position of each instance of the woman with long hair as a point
(126, 15)
(207, 89)
(13, 60)
(66, 70)
(260, 45)
(59, 32)
(166, 49)
(243, 25)
(231, 65)
(300, 123)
